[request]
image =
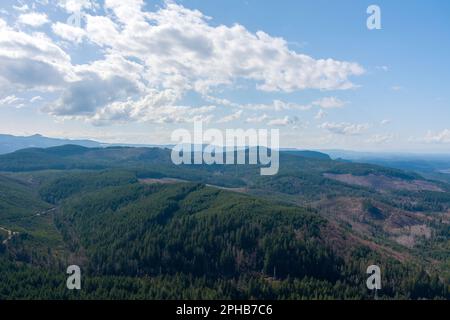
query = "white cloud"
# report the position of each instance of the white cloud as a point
(439, 137)
(21, 8)
(31, 61)
(33, 19)
(276, 105)
(146, 53)
(285, 121)
(101, 29)
(344, 128)
(380, 138)
(320, 115)
(91, 93)
(9, 100)
(72, 6)
(129, 12)
(35, 99)
(114, 65)
(281, 105)
(385, 122)
(329, 103)
(257, 119)
(155, 107)
(383, 68)
(181, 47)
(231, 117)
(221, 101)
(68, 32)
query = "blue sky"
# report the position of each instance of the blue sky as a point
(133, 71)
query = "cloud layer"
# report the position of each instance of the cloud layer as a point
(344, 128)
(150, 60)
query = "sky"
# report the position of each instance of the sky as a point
(134, 71)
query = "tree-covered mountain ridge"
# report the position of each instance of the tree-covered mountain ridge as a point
(141, 227)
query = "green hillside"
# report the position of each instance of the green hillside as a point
(308, 232)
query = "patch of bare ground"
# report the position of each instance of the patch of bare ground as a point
(345, 209)
(408, 235)
(401, 226)
(383, 183)
(116, 154)
(240, 190)
(345, 242)
(400, 218)
(162, 181)
(174, 181)
(446, 218)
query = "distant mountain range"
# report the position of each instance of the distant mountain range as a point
(10, 143)
(434, 166)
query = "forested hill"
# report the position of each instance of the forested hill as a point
(141, 227)
(191, 241)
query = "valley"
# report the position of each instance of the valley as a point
(143, 228)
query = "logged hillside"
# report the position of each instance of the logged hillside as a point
(222, 244)
(137, 234)
(18, 199)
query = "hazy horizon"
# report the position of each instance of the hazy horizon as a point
(360, 153)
